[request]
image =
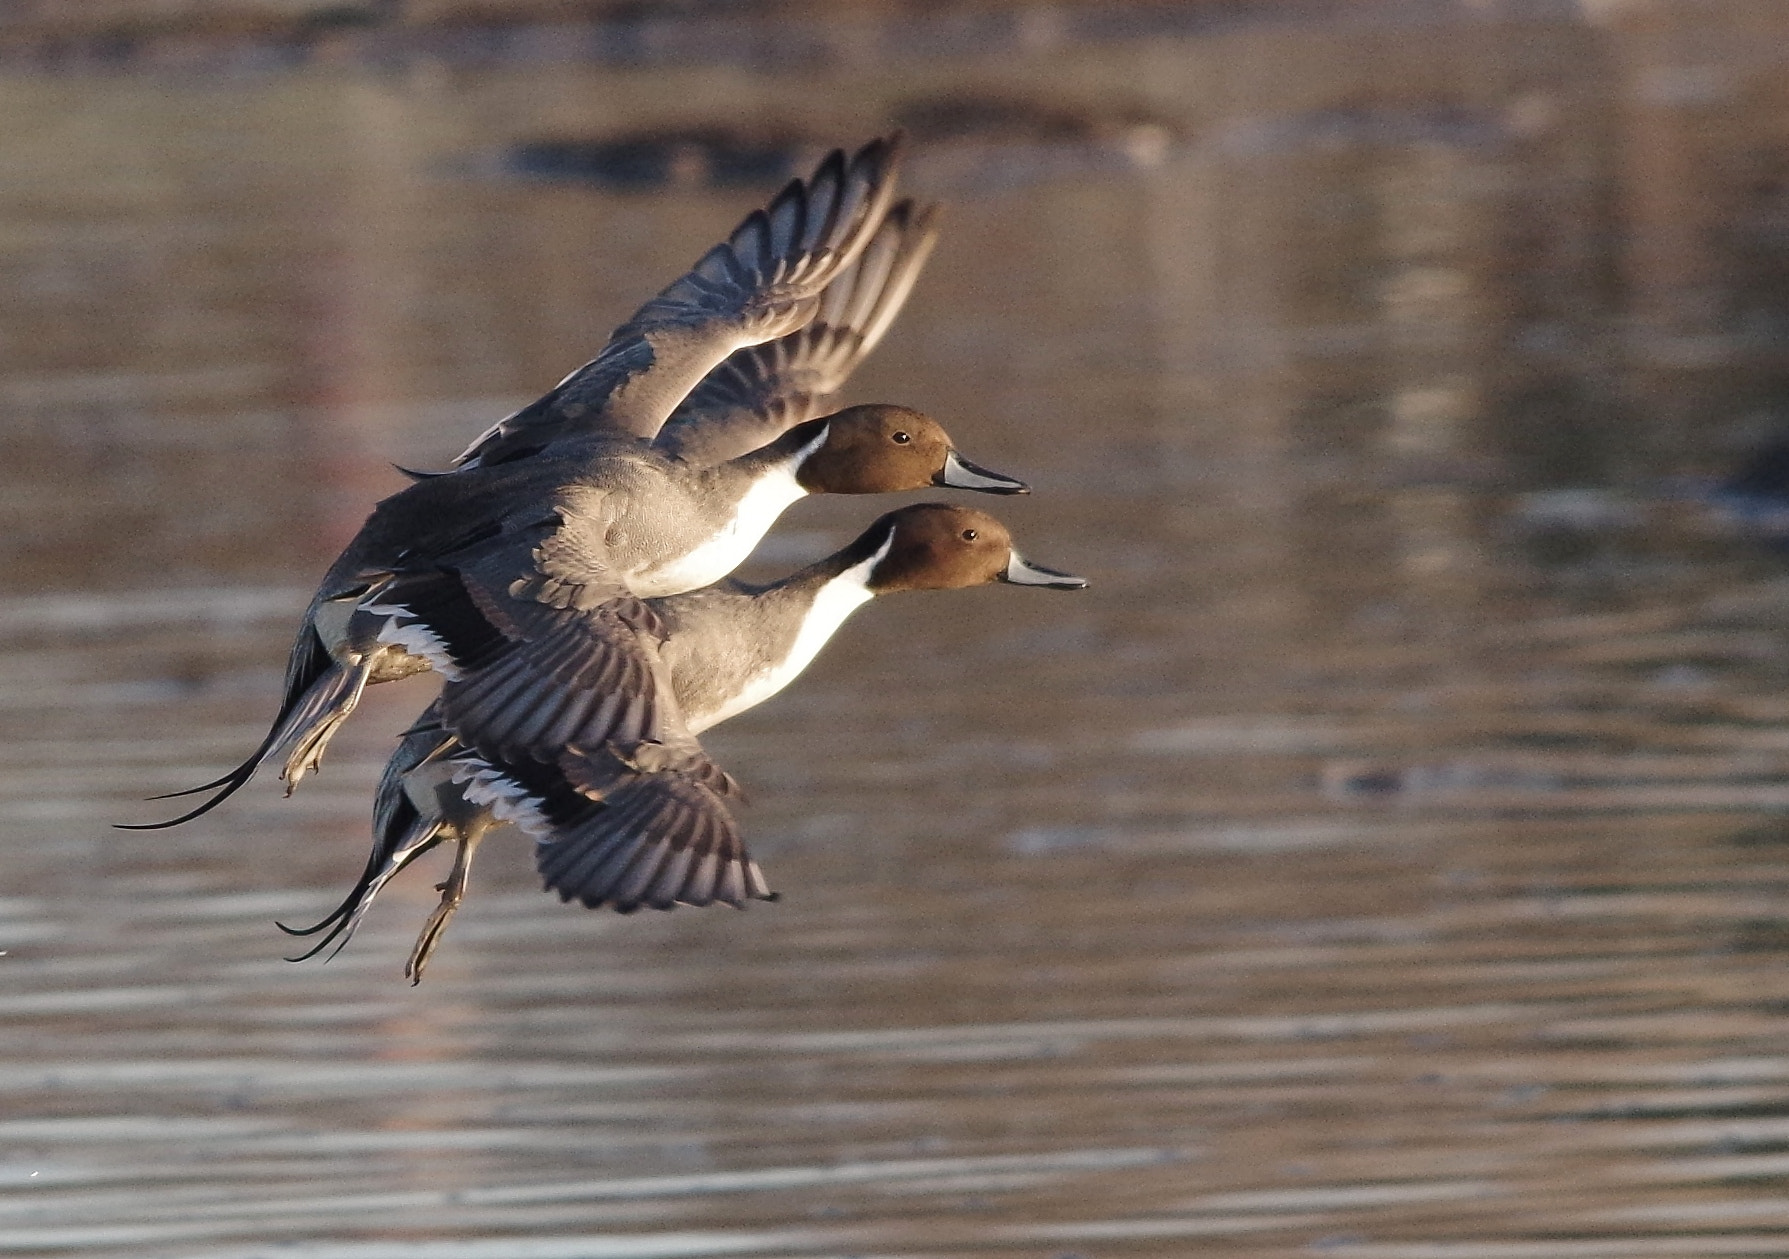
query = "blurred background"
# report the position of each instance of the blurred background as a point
(1384, 858)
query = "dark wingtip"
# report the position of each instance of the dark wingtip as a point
(888, 148)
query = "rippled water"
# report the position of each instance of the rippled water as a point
(1385, 858)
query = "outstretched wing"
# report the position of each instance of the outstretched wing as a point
(577, 736)
(763, 282)
(570, 727)
(586, 677)
(762, 391)
(659, 839)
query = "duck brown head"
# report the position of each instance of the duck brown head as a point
(940, 546)
(878, 449)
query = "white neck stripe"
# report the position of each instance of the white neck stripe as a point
(833, 602)
(763, 501)
(801, 456)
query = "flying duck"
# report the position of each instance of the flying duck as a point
(626, 808)
(576, 501)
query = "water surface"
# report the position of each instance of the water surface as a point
(1384, 858)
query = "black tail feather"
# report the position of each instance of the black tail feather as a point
(347, 905)
(346, 916)
(404, 816)
(322, 944)
(402, 841)
(310, 661)
(234, 778)
(230, 784)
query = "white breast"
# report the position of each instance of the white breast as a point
(768, 498)
(835, 601)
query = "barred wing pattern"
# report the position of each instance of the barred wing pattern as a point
(763, 282)
(572, 731)
(661, 843)
(762, 391)
(566, 677)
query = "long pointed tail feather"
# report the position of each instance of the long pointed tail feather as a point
(229, 785)
(422, 835)
(310, 722)
(309, 662)
(237, 776)
(397, 817)
(400, 835)
(308, 725)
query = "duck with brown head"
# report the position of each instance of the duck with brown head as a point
(566, 502)
(940, 546)
(648, 823)
(878, 449)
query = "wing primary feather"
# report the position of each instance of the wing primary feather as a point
(732, 883)
(642, 868)
(671, 877)
(827, 183)
(699, 889)
(755, 884)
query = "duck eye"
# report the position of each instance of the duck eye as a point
(969, 535)
(901, 438)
